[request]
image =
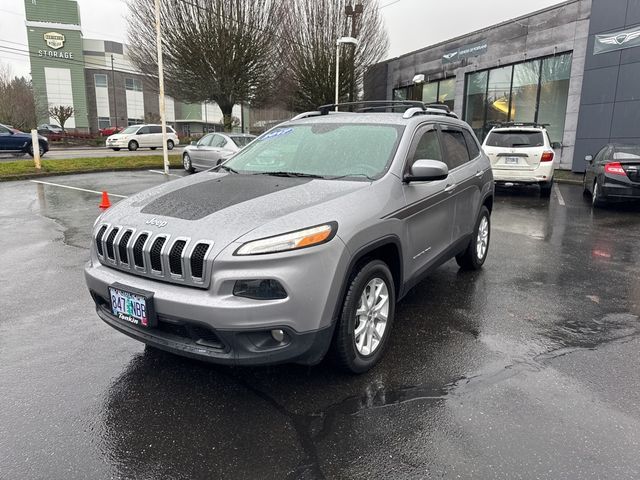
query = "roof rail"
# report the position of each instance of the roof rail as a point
(372, 105)
(517, 124)
(314, 113)
(429, 110)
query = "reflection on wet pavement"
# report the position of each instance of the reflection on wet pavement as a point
(478, 381)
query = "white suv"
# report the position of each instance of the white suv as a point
(137, 136)
(521, 153)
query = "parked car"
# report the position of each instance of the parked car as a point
(300, 243)
(521, 153)
(613, 175)
(212, 149)
(46, 129)
(142, 136)
(107, 131)
(17, 142)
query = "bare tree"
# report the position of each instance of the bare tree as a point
(17, 104)
(61, 113)
(314, 27)
(222, 51)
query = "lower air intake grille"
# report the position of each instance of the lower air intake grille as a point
(110, 239)
(138, 258)
(99, 239)
(156, 249)
(175, 257)
(197, 260)
(122, 246)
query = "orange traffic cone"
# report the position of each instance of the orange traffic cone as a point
(105, 201)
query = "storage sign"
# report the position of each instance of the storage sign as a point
(54, 40)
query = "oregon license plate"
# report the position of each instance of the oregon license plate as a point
(132, 305)
(511, 160)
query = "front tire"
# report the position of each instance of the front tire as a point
(116, 149)
(476, 253)
(153, 148)
(186, 163)
(170, 145)
(40, 148)
(133, 146)
(366, 319)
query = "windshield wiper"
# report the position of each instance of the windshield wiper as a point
(228, 169)
(290, 174)
(339, 177)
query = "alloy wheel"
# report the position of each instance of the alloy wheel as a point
(371, 316)
(482, 239)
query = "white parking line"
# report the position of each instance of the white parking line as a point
(161, 172)
(76, 188)
(558, 194)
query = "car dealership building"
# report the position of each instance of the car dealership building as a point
(574, 66)
(97, 79)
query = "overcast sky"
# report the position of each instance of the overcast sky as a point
(412, 24)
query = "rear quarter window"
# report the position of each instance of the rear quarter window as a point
(515, 139)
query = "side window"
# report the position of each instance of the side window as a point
(143, 130)
(169, 129)
(455, 147)
(218, 141)
(426, 148)
(472, 145)
(155, 129)
(601, 155)
(4, 130)
(205, 141)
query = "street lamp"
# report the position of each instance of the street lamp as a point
(341, 40)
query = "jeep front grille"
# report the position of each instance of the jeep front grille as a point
(177, 260)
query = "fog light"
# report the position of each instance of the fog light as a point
(278, 335)
(259, 289)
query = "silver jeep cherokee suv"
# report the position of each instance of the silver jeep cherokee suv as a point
(300, 244)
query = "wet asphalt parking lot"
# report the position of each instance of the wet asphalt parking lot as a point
(526, 369)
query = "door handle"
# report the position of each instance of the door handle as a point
(480, 173)
(450, 188)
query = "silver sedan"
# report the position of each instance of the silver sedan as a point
(212, 149)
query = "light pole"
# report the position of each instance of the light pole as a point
(341, 40)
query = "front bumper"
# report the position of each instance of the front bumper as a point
(117, 143)
(238, 328)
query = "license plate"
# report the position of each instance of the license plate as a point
(132, 305)
(511, 160)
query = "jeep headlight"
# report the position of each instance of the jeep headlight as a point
(307, 237)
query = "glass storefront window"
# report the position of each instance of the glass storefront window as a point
(554, 92)
(430, 92)
(447, 92)
(524, 93)
(498, 95)
(475, 101)
(532, 91)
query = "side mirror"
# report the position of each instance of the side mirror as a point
(426, 171)
(556, 145)
(589, 158)
(193, 142)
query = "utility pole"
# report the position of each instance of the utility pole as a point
(353, 12)
(163, 118)
(113, 86)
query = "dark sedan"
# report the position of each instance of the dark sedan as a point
(613, 174)
(16, 142)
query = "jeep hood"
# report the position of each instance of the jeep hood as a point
(224, 207)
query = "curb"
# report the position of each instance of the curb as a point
(30, 176)
(568, 181)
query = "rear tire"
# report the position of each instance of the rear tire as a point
(545, 189)
(596, 197)
(153, 148)
(133, 146)
(116, 149)
(362, 331)
(476, 253)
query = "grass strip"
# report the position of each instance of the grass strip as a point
(20, 169)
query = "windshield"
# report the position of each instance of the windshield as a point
(326, 150)
(515, 139)
(242, 141)
(131, 129)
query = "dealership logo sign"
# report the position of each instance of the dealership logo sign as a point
(54, 40)
(466, 51)
(611, 42)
